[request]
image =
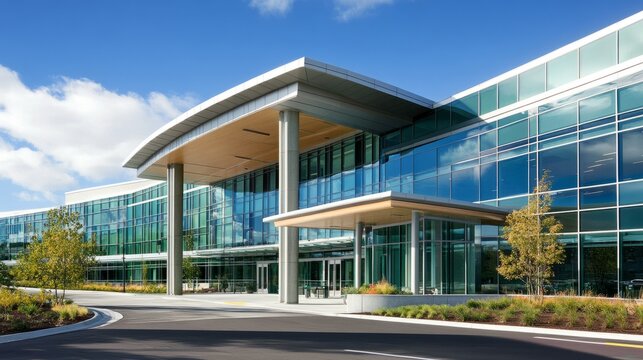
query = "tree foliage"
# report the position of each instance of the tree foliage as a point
(61, 257)
(190, 268)
(6, 277)
(532, 236)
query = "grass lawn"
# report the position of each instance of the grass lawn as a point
(560, 312)
(20, 311)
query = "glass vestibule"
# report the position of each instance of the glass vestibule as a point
(447, 257)
(319, 275)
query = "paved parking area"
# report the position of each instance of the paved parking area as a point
(255, 327)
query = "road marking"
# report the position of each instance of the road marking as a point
(389, 355)
(237, 303)
(592, 342)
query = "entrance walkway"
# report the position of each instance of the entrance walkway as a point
(322, 306)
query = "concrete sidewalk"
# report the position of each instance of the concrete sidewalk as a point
(312, 306)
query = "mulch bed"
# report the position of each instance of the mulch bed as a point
(46, 319)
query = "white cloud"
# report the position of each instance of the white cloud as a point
(28, 196)
(349, 9)
(272, 6)
(73, 129)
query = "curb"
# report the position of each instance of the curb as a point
(102, 317)
(504, 328)
(462, 325)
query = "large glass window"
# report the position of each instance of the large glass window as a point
(464, 109)
(630, 41)
(564, 200)
(631, 155)
(631, 193)
(513, 132)
(562, 70)
(561, 164)
(598, 220)
(569, 221)
(557, 119)
(598, 55)
(424, 164)
(631, 264)
(599, 263)
(513, 176)
(532, 82)
(567, 273)
(596, 197)
(597, 107)
(507, 92)
(597, 160)
(631, 217)
(465, 184)
(488, 140)
(488, 187)
(488, 99)
(630, 97)
(459, 151)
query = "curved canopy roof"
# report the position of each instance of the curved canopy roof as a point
(333, 102)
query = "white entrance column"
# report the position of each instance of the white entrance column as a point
(288, 201)
(415, 252)
(357, 258)
(175, 229)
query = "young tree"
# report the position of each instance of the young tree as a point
(190, 268)
(6, 277)
(532, 236)
(61, 258)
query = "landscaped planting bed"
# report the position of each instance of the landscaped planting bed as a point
(20, 311)
(576, 313)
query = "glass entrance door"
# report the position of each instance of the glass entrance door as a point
(334, 278)
(262, 278)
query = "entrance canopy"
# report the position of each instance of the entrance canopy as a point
(237, 131)
(385, 208)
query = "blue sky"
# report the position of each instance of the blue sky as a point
(83, 82)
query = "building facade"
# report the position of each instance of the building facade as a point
(274, 180)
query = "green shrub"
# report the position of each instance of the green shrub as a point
(18, 324)
(28, 309)
(475, 304)
(529, 316)
(70, 311)
(506, 314)
(500, 304)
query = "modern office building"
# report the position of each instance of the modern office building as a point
(314, 175)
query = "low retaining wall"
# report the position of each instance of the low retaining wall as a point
(367, 303)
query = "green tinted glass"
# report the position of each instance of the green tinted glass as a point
(630, 41)
(531, 82)
(511, 133)
(557, 119)
(596, 107)
(630, 97)
(488, 99)
(562, 70)
(464, 109)
(532, 126)
(631, 193)
(598, 55)
(443, 117)
(507, 92)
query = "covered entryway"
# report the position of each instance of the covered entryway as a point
(409, 211)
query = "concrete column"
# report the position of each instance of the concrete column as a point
(357, 258)
(288, 201)
(415, 252)
(175, 229)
